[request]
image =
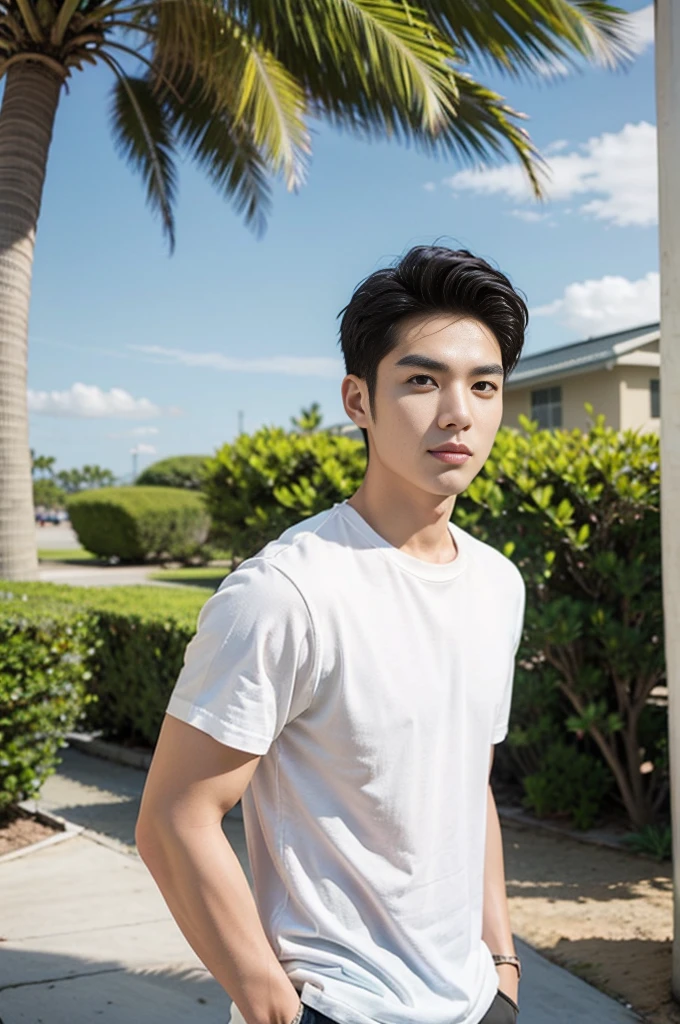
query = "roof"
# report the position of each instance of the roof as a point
(582, 356)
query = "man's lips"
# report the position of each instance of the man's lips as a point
(454, 458)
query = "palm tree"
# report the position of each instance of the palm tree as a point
(309, 419)
(234, 83)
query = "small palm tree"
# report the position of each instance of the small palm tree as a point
(234, 83)
(309, 419)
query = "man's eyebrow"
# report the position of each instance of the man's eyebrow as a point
(426, 363)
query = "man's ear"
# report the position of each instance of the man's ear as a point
(353, 400)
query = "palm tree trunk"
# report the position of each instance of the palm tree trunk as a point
(26, 119)
(668, 106)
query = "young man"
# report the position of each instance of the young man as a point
(349, 682)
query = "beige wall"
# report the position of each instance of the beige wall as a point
(602, 389)
(635, 399)
(621, 393)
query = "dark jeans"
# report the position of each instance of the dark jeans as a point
(503, 1010)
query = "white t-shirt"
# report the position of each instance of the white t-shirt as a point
(373, 684)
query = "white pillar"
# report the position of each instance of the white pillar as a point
(667, 34)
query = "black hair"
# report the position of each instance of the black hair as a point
(428, 280)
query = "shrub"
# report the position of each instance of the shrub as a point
(653, 840)
(44, 670)
(185, 471)
(137, 524)
(262, 484)
(579, 514)
(125, 643)
(568, 781)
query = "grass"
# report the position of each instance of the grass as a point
(149, 603)
(66, 555)
(195, 576)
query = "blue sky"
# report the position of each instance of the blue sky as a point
(130, 347)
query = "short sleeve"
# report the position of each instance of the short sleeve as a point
(249, 669)
(503, 710)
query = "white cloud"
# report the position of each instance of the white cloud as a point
(429, 186)
(556, 147)
(135, 432)
(90, 402)
(306, 366)
(143, 449)
(618, 170)
(144, 431)
(609, 304)
(530, 216)
(642, 24)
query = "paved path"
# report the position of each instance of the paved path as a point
(86, 575)
(88, 937)
(51, 537)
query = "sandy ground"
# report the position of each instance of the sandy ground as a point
(22, 830)
(600, 913)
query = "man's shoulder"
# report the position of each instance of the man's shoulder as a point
(498, 565)
(298, 553)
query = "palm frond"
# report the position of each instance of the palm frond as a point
(199, 41)
(484, 128)
(272, 106)
(142, 132)
(377, 44)
(223, 150)
(521, 37)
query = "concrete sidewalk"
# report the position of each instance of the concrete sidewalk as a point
(87, 936)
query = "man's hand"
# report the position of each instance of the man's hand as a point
(508, 981)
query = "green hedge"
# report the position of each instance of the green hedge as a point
(185, 471)
(136, 524)
(123, 645)
(44, 672)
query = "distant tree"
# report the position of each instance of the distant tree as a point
(309, 419)
(95, 476)
(43, 464)
(48, 494)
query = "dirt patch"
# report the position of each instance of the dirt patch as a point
(603, 914)
(20, 829)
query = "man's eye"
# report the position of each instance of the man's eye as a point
(491, 385)
(420, 376)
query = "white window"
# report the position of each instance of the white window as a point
(546, 407)
(654, 398)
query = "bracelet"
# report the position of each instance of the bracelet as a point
(506, 958)
(298, 1016)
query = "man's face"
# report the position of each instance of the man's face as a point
(421, 407)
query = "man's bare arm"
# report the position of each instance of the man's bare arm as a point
(192, 782)
(496, 930)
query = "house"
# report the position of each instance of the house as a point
(617, 373)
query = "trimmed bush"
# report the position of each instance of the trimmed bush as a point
(137, 524)
(185, 471)
(124, 644)
(44, 671)
(262, 484)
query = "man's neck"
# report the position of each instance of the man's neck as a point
(416, 525)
